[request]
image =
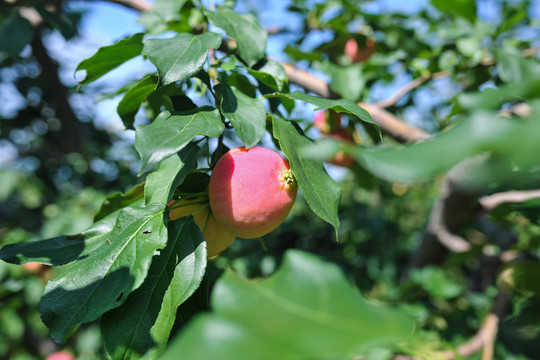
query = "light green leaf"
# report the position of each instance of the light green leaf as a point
(347, 81)
(91, 286)
(307, 310)
(168, 10)
(171, 132)
(462, 8)
(246, 114)
(181, 57)
(141, 327)
(321, 192)
(172, 171)
(435, 282)
(249, 35)
(109, 57)
(271, 74)
(514, 68)
(132, 100)
(341, 105)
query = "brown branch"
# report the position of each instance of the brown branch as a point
(409, 87)
(490, 202)
(138, 5)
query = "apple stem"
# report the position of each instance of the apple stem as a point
(265, 248)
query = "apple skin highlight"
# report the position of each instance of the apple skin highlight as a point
(251, 191)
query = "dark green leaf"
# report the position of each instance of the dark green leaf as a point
(249, 35)
(61, 250)
(245, 113)
(462, 8)
(119, 200)
(181, 57)
(272, 74)
(15, 33)
(341, 105)
(172, 171)
(141, 326)
(89, 287)
(322, 193)
(306, 310)
(170, 133)
(132, 100)
(60, 20)
(110, 57)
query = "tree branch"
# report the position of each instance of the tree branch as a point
(138, 5)
(490, 202)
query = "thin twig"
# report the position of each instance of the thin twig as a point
(409, 87)
(490, 202)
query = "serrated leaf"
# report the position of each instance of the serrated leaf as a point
(307, 310)
(60, 250)
(118, 200)
(172, 171)
(109, 57)
(462, 8)
(246, 114)
(249, 35)
(181, 57)
(272, 74)
(15, 33)
(132, 100)
(98, 283)
(171, 132)
(341, 105)
(321, 192)
(141, 326)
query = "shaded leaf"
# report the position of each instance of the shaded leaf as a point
(181, 57)
(306, 310)
(272, 74)
(132, 100)
(172, 171)
(15, 33)
(321, 192)
(91, 286)
(249, 35)
(119, 200)
(141, 326)
(109, 57)
(171, 132)
(245, 113)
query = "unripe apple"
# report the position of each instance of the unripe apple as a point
(327, 121)
(251, 191)
(60, 355)
(357, 54)
(341, 158)
(217, 237)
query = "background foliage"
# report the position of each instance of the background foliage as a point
(412, 229)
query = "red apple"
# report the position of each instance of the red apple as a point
(327, 121)
(357, 54)
(32, 267)
(341, 158)
(60, 355)
(251, 191)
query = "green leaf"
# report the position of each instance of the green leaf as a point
(246, 114)
(103, 280)
(109, 57)
(347, 81)
(249, 35)
(171, 132)
(272, 74)
(435, 282)
(481, 132)
(15, 33)
(168, 10)
(493, 99)
(341, 105)
(60, 250)
(141, 326)
(118, 200)
(307, 310)
(321, 192)
(514, 68)
(172, 171)
(461, 8)
(132, 100)
(181, 57)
